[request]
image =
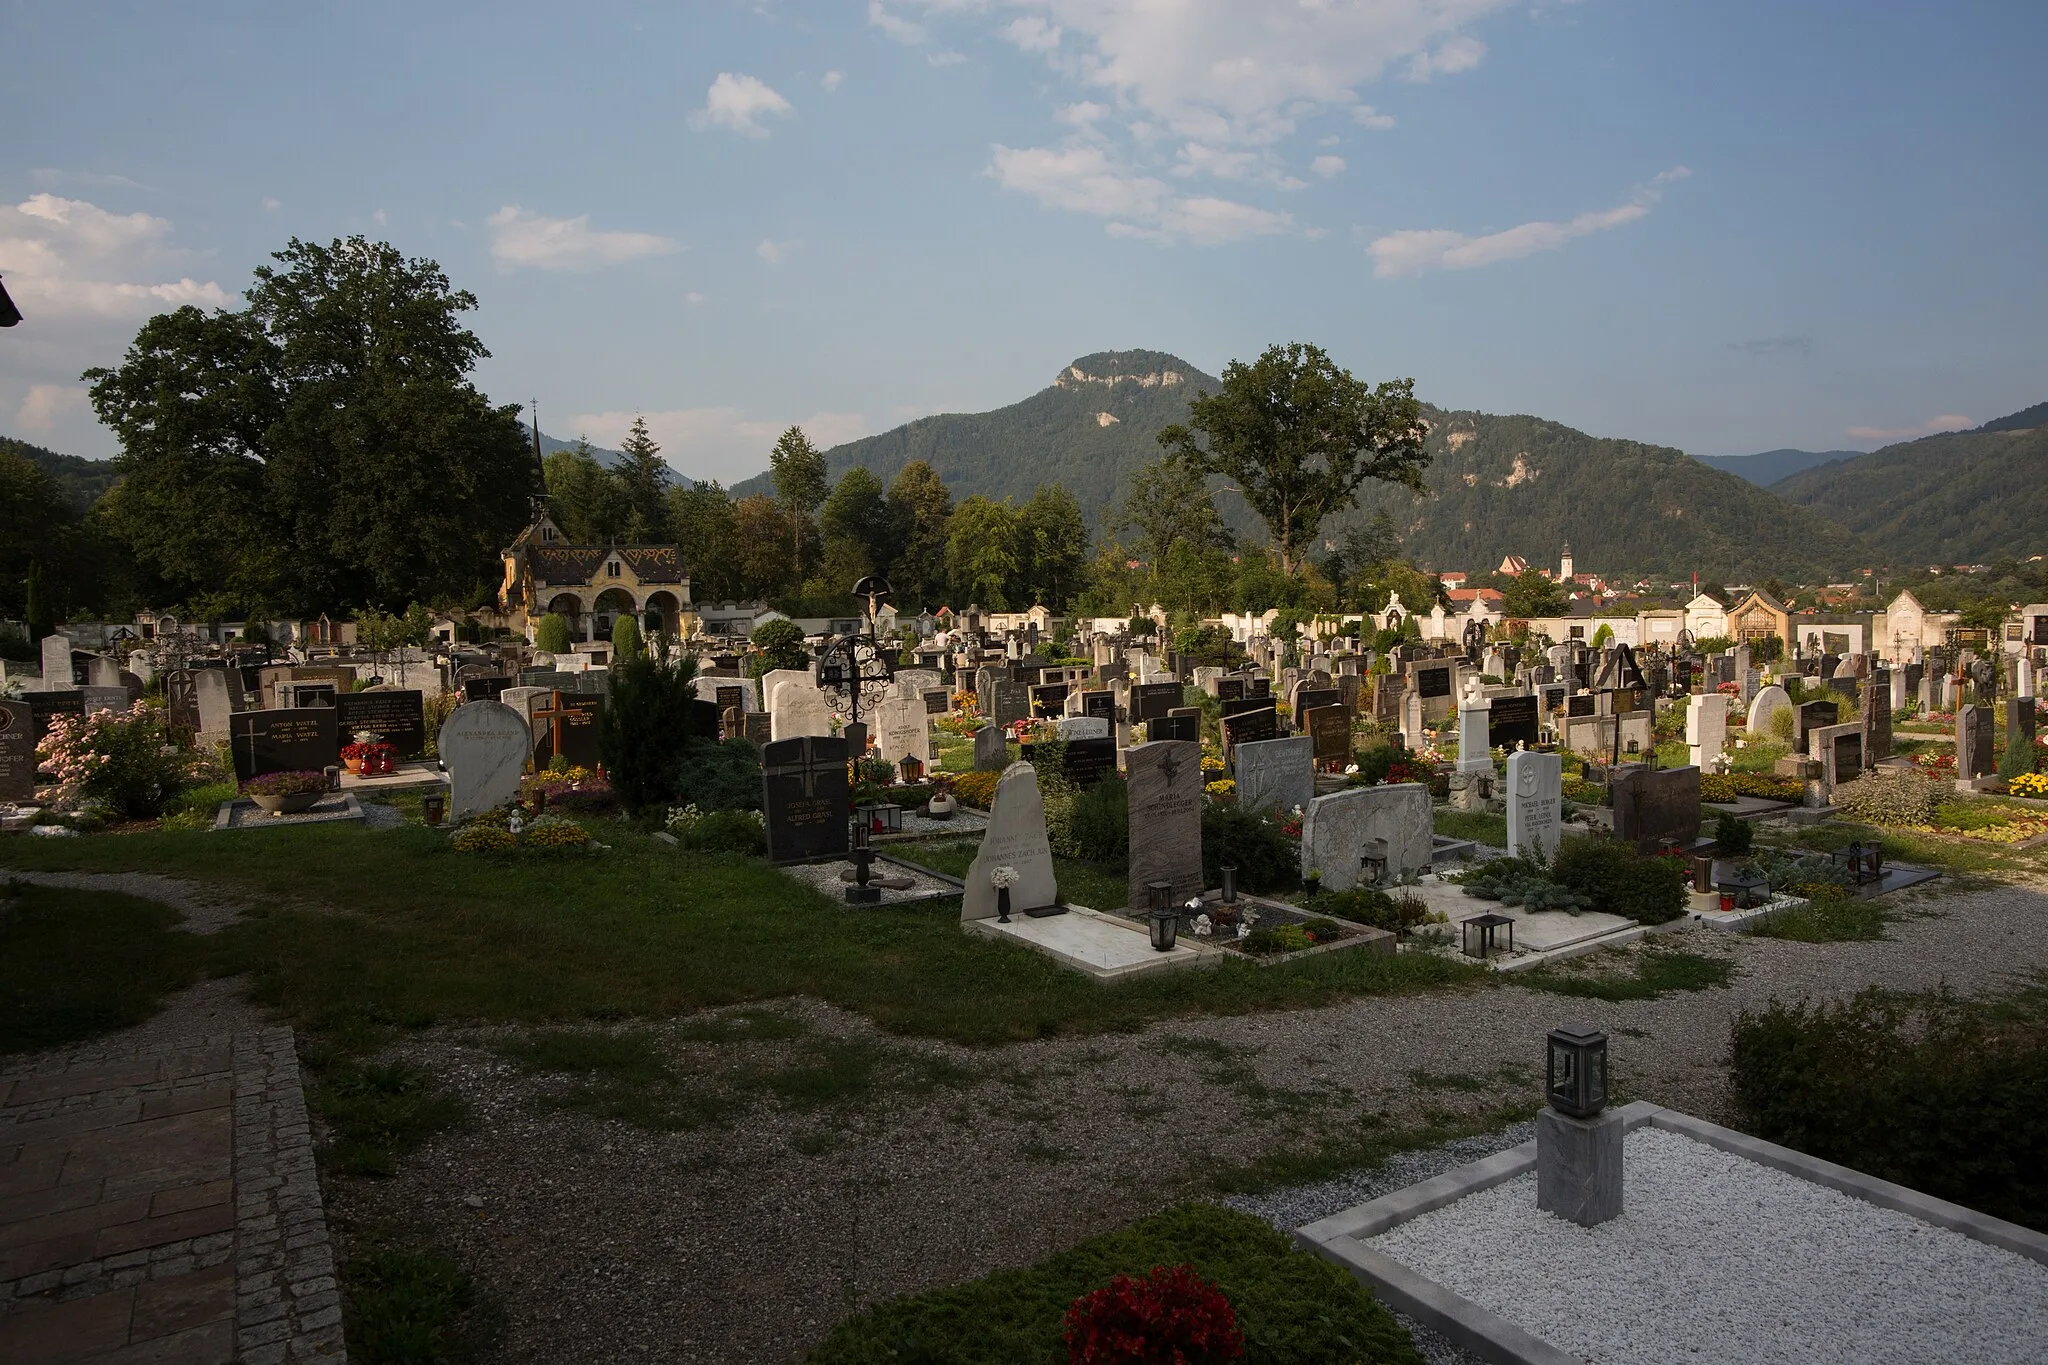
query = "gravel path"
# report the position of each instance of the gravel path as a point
(782, 1182)
(1821, 1276)
(744, 1237)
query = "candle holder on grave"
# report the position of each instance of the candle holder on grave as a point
(863, 855)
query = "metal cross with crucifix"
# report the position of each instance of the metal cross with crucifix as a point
(552, 713)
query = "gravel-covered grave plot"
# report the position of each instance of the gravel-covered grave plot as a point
(1715, 1257)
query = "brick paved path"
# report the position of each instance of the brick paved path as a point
(159, 1203)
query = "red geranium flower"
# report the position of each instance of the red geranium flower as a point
(1171, 1317)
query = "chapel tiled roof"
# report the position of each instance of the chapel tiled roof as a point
(562, 565)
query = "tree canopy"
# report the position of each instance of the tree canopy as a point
(1299, 436)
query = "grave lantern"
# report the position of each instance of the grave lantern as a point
(1864, 861)
(1478, 934)
(912, 768)
(1575, 1075)
(881, 817)
(1229, 874)
(1165, 916)
(1743, 890)
(1372, 862)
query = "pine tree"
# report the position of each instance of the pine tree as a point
(645, 477)
(800, 486)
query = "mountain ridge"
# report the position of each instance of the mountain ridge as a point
(1769, 466)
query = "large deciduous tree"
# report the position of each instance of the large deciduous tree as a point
(1169, 504)
(798, 470)
(981, 553)
(322, 448)
(1299, 437)
(923, 509)
(1053, 545)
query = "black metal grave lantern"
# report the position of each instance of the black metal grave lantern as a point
(1575, 1074)
(1372, 862)
(912, 768)
(1744, 890)
(880, 817)
(1478, 934)
(1164, 914)
(1864, 861)
(860, 893)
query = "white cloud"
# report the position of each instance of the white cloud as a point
(831, 81)
(694, 299)
(45, 403)
(1417, 251)
(70, 259)
(1033, 34)
(521, 237)
(773, 252)
(1081, 114)
(1327, 166)
(895, 26)
(1084, 179)
(272, 205)
(1459, 54)
(378, 218)
(736, 101)
(1948, 421)
(719, 443)
(1368, 117)
(946, 58)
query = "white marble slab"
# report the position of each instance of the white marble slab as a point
(1102, 946)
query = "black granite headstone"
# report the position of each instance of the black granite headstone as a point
(297, 739)
(181, 701)
(17, 753)
(1230, 689)
(1512, 721)
(805, 797)
(566, 725)
(1048, 700)
(400, 717)
(1244, 704)
(758, 726)
(1329, 727)
(1259, 687)
(1248, 727)
(1578, 705)
(1650, 807)
(1100, 705)
(1310, 698)
(1174, 727)
(1433, 682)
(43, 705)
(487, 688)
(1087, 761)
(1151, 701)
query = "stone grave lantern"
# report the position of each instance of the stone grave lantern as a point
(1578, 1143)
(1164, 916)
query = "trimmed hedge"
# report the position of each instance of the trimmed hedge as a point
(1293, 1308)
(1945, 1095)
(1621, 881)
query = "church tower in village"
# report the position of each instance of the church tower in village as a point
(1564, 565)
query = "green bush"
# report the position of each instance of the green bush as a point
(1293, 1307)
(717, 776)
(1899, 796)
(1831, 915)
(551, 636)
(197, 807)
(1370, 906)
(1621, 881)
(1526, 882)
(646, 729)
(1265, 858)
(1733, 835)
(1100, 822)
(719, 831)
(780, 644)
(1796, 872)
(625, 640)
(1944, 1095)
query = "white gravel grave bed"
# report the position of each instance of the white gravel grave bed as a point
(1717, 1258)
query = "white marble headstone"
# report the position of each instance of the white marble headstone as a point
(1767, 704)
(797, 708)
(485, 746)
(1083, 727)
(1706, 728)
(216, 700)
(901, 729)
(1015, 838)
(57, 663)
(1535, 793)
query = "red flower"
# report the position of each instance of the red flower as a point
(1171, 1317)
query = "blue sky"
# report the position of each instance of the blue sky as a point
(1715, 224)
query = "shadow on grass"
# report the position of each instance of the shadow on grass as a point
(1657, 971)
(75, 965)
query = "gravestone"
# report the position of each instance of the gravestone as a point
(1175, 727)
(216, 700)
(1579, 704)
(1706, 728)
(486, 688)
(759, 728)
(1206, 678)
(100, 671)
(1083, 727)
(181, 702)
(44, 705)
(1974, 741)
(805, 800)
(566, 727)
(484, 745)
(1535, 793)
(1329, 730)
(1473, 729)
(2019, 724)
(1877, 717)
(1249, 727)
(1514, 721)
(58, 673)
(1811, 715)
(1015, 839)
(1008, 702)
(902, 729)
(400, 717)
(937, 701)
(1336, 827)
(1151, 701)
(1088, 759)
(104, 698)
(1048, 700)
(280, 741)
(1261, 688)
(1763, 710)
(725, 692)
(1432, 682)
(1101, 705)
(17, 753)
(1309, 698)
(1839, 751)
(991, 750)
(1276, 774)
(1240, 706)
(1229, 689)
(298, 694)
(798, 710)
(1651, 806)
(1165, 779)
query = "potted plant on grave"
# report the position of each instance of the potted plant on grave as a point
(286, 793)
(943, 805)
(369, 755)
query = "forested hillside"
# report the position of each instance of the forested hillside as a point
(81, 481)
(1523, 485)
(1965, 498)
(1090, 430)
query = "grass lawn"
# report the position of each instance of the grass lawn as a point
(76, 964)
(1656, 970)
(1080, 883)
(368, 931)
(1478, 825)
